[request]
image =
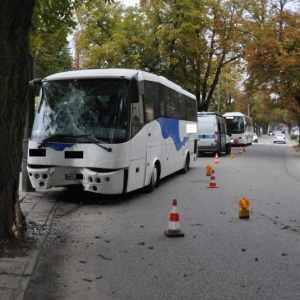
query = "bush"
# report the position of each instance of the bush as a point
(294, 136)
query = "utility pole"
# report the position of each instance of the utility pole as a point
(219, 93)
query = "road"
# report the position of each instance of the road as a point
(114, 248)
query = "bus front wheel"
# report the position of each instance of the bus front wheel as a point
(154, 180)
(186, 165)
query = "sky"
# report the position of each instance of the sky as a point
(130, 2)
(294, 4)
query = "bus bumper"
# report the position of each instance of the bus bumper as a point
(92, 181)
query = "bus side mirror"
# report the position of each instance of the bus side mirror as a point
(34, 82)
(134, 90)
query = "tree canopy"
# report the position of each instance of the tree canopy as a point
(194, 42)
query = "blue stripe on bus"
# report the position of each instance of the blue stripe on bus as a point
(170, 128)
(58, 146)
(206, 136)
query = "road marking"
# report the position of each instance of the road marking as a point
(287, 144)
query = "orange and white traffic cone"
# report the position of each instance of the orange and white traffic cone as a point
(212, 183)
(216, 159)
(174, 224)
(240, 150)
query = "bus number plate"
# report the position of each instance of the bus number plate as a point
(70, 176)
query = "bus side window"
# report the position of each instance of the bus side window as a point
(151, 101)
(137, 115)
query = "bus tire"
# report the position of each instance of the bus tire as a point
(154, 180)
(186, 165)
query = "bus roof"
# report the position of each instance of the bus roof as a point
(208, 113)
(118, 73)
(94, 73)
(231, 114)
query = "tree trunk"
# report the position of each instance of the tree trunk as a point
(15, 22)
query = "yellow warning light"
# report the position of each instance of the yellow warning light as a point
(208, 170)
(244, 212)
(244, 203)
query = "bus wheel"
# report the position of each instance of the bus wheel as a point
(186, 165)
(154, 180)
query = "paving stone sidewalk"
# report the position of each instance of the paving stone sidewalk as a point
(15, 273)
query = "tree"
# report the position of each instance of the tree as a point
(196, 40)
(273, 53)
(108, 36)
(52, 57)
(187, 41)
(15, 25)
(52, 23)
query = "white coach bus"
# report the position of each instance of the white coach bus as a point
(240, 127)
(111, 130)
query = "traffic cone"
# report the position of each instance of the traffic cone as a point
(174, 224)
(212, 183)
(244, 149)
(240, 150)
(231, 154)
(216, 159)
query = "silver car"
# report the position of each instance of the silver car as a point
(279, 138)
(255, 138)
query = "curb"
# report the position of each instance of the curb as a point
(34, 257)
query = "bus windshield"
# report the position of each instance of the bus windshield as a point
(235, 124)
(83, 111)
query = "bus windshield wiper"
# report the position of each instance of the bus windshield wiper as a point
(96, 142)
(63, 136)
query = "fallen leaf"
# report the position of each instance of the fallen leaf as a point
(104, 257)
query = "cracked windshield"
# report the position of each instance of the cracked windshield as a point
(82, 111)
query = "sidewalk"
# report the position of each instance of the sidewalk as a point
(15, 273)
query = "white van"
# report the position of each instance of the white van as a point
(212, 132)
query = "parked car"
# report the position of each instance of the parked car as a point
(279, 138)
(255, 138)
(212, 134)
(271, 132)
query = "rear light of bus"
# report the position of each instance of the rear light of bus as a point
(216, 137)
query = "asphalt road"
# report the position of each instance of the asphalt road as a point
(114, 248)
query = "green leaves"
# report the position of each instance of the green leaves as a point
(193, 43)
